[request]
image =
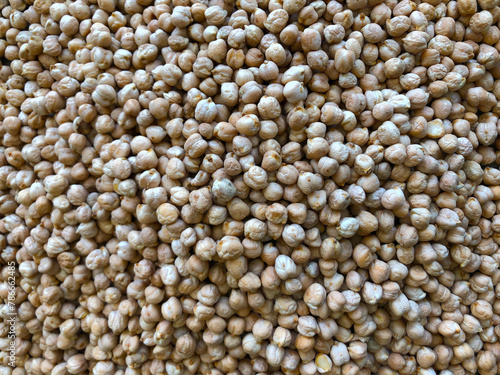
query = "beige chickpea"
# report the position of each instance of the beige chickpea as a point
(268, 107)
(344, 60)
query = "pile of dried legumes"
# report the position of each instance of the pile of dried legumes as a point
(254, 187)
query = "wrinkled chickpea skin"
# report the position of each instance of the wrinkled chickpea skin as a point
(250, 187)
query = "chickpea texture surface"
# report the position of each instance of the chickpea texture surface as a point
(249, 187)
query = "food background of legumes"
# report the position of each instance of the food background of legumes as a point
(273, 187)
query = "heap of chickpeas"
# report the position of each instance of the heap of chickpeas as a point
(224, 187)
